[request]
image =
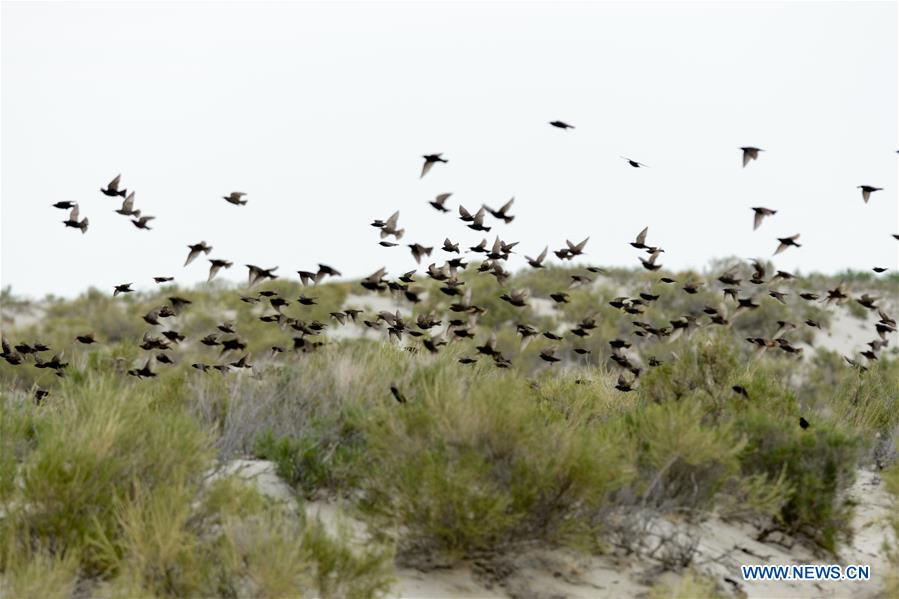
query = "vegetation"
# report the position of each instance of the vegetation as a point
(106, 484)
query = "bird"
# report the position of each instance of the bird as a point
(127, 208)
(216, 265)
(397, 394)
(86, 339)
(73, 221)
(162, 280)
(561, 125)
(235, 197)
(538, 261)
(439, 201)
(419, 250)
(880, 269)
(576, 249)
(502, 213)
(633, 163)
(65, 205)
(112, 189)
(803, 423)
(750, 153)
(623, 385)
(760, 214)
(141, 223)
(124, 288)
(786, 242)
(450, 247)
(256, 274)
(640, 241)
(477, 221)
(388, 227)
(195, 250)
(867, 190)
(430, 160)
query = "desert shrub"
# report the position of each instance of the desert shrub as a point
(460, 468)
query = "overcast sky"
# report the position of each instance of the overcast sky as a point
(321, 112)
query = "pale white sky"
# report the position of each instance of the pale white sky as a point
(321, 112)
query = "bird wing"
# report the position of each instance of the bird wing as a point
(191, 256)
(866, 195)
(757, 220)
(73, 215)
(425, 168)
(506, 206)
(114, 184)
(542, 255)
(128, 203)
(391, 222)
(641, 236)
(443, 197)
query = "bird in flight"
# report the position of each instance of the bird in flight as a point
(235, 198)
(113, 190)
(439, 202)
(430, 160)
(634, 163)
(127, 208)
(867, 190)
(760, 214)
(195, 250)
(750, 153)
(73, 221)
(786, 242)
(141, 223)
(561, 125)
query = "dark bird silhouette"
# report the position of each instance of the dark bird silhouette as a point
(750, 153)
(640, 241)
(235, 197)
(141, 223)
(740, 390)
(256, 274)
(867, 190)
(623, 385)
(216, 265)
(127, 208)
(419, 250)
(477, 221)
(786, 242)
(439, 201)
(549, 355)
(397, 394)
(633, 163)
(879, 269)
(803, 423)
(86, 339)
(73, 221)
(760, 214)
(65, 205)
(161, 280)
(195, 250)
(502, 213)
(538, 261)
(561, 125)
(145, 371)
(430, 160)
(126, 288)
(113, 190)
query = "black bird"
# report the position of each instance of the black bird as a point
(235, 197)
(760, 214)
(741, 390)
(127, 208)
(430, 160)
(538, 261)
(397, 394)
(502, 213)
(195, 250)
(256, 274)
(867, 190)
(633, 163)
(65, 205)
(803, 423)
(750, 153)
(439, 202)
(73, 221)
(126, 288)
(561, 125)
(419, 250)
(162, 280)
(143, 372)
(786, 242)
(216, 265)
(86, 339)
(640, 242)
(623, 385)
(879, 269)
(113, 190)
(141, 223)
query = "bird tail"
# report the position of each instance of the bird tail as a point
(123, 192)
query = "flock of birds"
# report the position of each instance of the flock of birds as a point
(458, 323)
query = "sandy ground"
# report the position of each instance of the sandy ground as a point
(544, 573)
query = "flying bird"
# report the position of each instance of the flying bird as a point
(439, 202)
(760, 214)
(786, 242)
(634, 163)
(867, 190)
(65, 205)
(561, 125)
(141, 223)
(216, 265)
(113, 190)
(127, 208)
(73, 221)
(430, 160)
(195, 250)
(750, 153)
(124, 288)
